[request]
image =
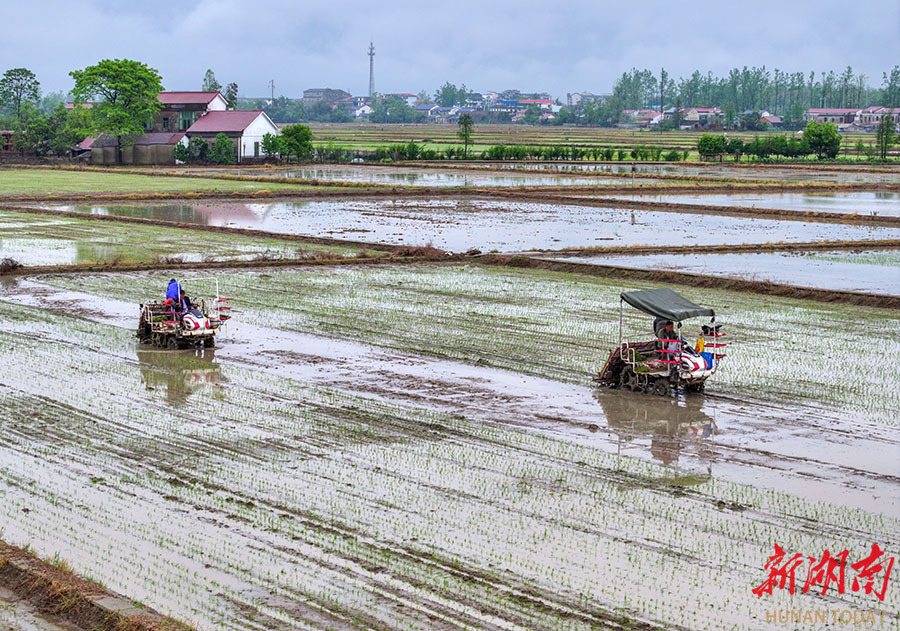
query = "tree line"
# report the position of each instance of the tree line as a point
(788, 94)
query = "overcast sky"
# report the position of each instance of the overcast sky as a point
(556, 47)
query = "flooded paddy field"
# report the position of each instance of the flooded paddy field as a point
(877, 204)
(552, 325)
(875, 272)
(420, 176)
(33, 239)
(487, 224)
(810, 173)
(273, 481)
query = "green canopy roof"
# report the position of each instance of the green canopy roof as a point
(665, 303)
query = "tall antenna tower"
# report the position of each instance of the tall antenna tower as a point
(272, 85)
(371, 69)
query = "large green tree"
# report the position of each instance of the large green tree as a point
(18, 86)
(126, 94)
(296, 140)
(447, 95)
(823, 139)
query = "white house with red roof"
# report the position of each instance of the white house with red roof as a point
(186, 114)
(245, 128)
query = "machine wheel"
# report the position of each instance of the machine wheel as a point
(156, 339)
(628, 381)
(209, 342)
(662, 387)
(172, 343)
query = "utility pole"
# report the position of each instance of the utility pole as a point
(272, 85)
(371, 69)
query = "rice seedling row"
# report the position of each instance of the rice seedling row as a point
(562, 326)
(260, 501)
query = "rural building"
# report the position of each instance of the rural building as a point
(180, 110)
(183, 115)
(326, 95)
(831, 115)
(408, 98)
(178, 113)
(575, 99)
(695, 117)
(152, 148)
(870, 117)
(245, 128)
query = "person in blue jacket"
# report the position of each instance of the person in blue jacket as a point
(173, 291)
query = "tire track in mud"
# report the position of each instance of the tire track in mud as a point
(40, 407)
(499, 396)
(531, 596)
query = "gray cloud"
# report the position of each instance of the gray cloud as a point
(570, 46)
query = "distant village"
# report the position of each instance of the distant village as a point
(518, 106)
(202, 117)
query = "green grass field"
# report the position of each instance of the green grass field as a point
(59, 182)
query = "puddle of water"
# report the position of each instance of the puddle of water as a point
(880, 204)
(412, 176)
(506, 226)
(870, 272)
(20, 615)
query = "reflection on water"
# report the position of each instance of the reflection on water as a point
(203, 214)
(503, 225)
(181, 373)
(416, 176)
(670, 423)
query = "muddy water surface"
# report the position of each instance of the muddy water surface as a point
(413, 176)
(287, 480)
(19, 615)
(876, 272)
(769, 445)
(506, 226)
(718, 171)
(877, 204)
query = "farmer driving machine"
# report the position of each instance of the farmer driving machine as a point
(172, 324)
(669, 362)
